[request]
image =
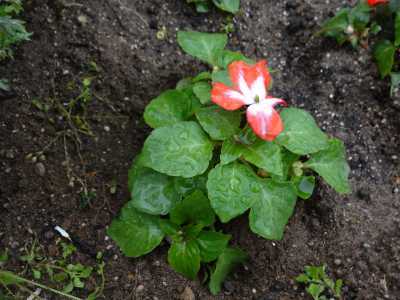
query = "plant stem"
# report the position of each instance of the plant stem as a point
(41, 286)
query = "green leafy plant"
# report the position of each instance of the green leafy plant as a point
(12, 31)
(203, 161)
(203, 6)
(378, 21)
(61, 272)
(319, 285)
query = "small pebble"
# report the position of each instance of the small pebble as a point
(187, 294)
(140, 288)
(82, 19)
(337, 262)
(40, 169)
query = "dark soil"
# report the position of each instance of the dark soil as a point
(357, 236)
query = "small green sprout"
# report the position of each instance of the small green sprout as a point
(319, 284)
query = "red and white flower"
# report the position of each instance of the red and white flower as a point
(250, 83)
(376, 2)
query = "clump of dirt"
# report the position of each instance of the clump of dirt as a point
(79, 181)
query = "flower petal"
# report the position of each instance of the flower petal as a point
(264, 120)
(226, 97)
(251, 80)
(376, 2)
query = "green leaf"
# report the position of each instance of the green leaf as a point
(204, 46)
(191, 231)
(302, 278)
(397, 30)
(270, 214)
(184, 257)
(288, 159)
(202, 76)
(220, 124)
(331, 164)
(265, 155)
(60, 277)
(182, 149)
(316, 273)
(202, 90)
(152, 192)
(8, 278)
(301, 135)
(226, 57)
(168, 228)
(185, 186)
(232, 190)
(226, 262)
(134, 232)
(212, 244)
(231, 150)
(195, 208)
(359, 16)
(315, 290)
(202, 7)
(184, 83)
(36, 274)
(394, 82)
(221, 76)
(4, 256)
(336, 26)
(231, 6)
(375, 28)
(305, 186)
(383, 53)
(338, 288)
(169, 108)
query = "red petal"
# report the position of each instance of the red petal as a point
(250, 73)
(265, 121)
(226, 97)
(376, 2)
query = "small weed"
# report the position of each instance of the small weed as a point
(319, 284)
(60, 272)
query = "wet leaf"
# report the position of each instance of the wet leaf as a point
(184, 257)
(226, 57)
(384, 55)
(301, 134)
(227, 261)
(134, 232)
(195, 208)
(212, 244)
(232, 190)
(305, 186)
(231, 6)
(204, 46)
(331, 165)
(270, 214)
(182, 149)
(220, 124)
(397, 29)
(265, 155)
(202, 90)
(152, 192)
(168, 108)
